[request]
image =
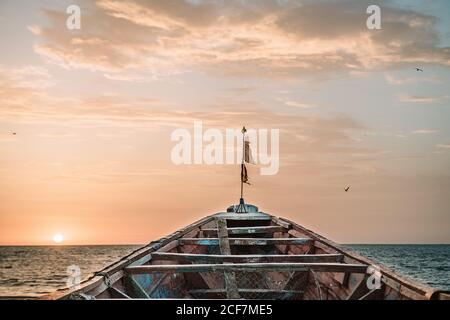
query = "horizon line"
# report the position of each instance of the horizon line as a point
(145, 244)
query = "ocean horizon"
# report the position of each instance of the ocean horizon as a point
(29, 272)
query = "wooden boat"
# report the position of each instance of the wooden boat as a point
(252, 255)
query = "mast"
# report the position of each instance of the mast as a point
(243, 161)
(241, 207)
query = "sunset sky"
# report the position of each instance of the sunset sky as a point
(93, 111)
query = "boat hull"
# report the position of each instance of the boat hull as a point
(247, 256)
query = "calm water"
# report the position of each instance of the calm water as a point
(33, 271)
(428, 264)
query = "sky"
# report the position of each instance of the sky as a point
(94, 109)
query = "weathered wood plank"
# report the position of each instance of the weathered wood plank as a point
(134, 289)
(107, 282)
(224, 244)
(443, 296)
(319, 246)
(319, 267)
(297, 281)
(245, 241)
(359, 290)
(244, 217)
(343, 278)
(246, 294)
(247, 230)
(143, 260)
(116, 293)
(156, 286)
(282, 223)
(405, 287)
(214, 258)
(374, 294)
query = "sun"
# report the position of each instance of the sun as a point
(58, 238)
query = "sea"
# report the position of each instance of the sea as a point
(28, 272)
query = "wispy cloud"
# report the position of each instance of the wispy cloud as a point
(241, 38)
(423, 131)
(35, 30)
(391, 79)
(125, 77)
(421, 99)
(295, 104)
(314, 134)
(28, 76)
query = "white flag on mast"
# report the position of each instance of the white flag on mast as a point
(248, 153)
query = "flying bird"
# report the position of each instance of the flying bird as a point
(14, 133)
(418, 69)
(346, 189)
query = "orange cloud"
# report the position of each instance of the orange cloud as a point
(240, 38)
